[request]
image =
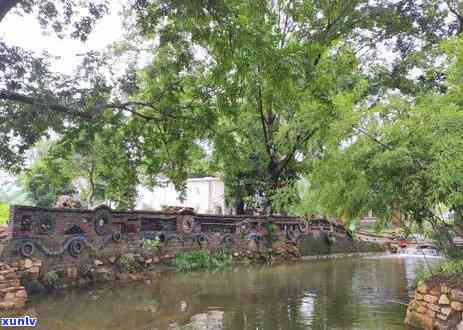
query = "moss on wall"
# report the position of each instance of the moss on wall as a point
(318, 245)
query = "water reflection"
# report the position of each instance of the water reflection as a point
(325, 294)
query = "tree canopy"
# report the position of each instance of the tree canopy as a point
(275, 89)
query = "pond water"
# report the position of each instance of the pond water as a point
(348, 293)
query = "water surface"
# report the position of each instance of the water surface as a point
(349, 293)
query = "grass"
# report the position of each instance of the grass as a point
(4, 213)
(197, 260)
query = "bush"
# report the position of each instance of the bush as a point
(196, 260)
(127, 263)
(452, 267)
(151, 245)
(51, 280)
(4, 213)
(447, 268)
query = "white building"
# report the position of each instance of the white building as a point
(204, 195)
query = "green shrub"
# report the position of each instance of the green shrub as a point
(4, 213)
(196, 260)
(447, 268)
(127, 263)
(151, 245)
(50, 279)
(452, 267)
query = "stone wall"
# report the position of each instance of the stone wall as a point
(55, 248)
(437, 305)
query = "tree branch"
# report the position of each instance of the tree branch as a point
(300, 140)
(6, 6)
(24, 99)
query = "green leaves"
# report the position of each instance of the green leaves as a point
(405, 163)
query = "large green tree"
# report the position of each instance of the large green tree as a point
(265, 82)
(408, 164)
(282, 74)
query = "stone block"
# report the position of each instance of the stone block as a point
(434, 307)
(421, 309)
(431, 313)
(28, 263)
(457, 306)
(457, 295)
(419, 320)
(444, 300)
(430, 299)
(435, 291)
(446, 310)
(444, 288)
(21, 293)
(422, 288)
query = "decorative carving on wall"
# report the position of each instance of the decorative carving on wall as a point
(102, 220)
(26, 223)
(201, 239)
(116, 236)
(303, 226)
(74, 230)
(26, 248)
(188, 224)
(245, 227)
(228, 240)
(257, 237)
(46, 224)
(76, 247)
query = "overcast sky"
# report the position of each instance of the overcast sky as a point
(25, 31)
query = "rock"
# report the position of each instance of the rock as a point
(252, 246)
(97, 262)
(26, 263)
(21, 293)
(446, 310)
(430, 299)
(444, 300)
(444, 288)
(456, 305)
(10, 296)
(433, 307)
(72, 272)
(457, 295)
(419, 320)
(435, 291)
(149, 261)
(431, 313)
(112, 259)
(422, 288)
(421, 309)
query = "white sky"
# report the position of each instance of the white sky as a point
(25, 31)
